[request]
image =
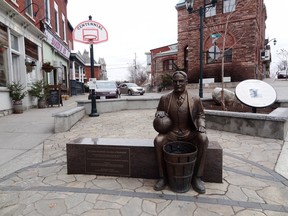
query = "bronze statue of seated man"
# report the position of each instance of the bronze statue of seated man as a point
(182, 119)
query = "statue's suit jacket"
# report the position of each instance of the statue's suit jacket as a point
(195, 106)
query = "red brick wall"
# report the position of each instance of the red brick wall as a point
(87, 70)
(246, 35)
(157, 69)
(20, 6)
(62, 9)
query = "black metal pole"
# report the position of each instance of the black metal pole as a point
(93, 95)
(201, 14)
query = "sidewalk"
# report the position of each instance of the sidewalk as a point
(34, 178)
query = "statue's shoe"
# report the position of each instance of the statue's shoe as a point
(160, 185)
(198, 185)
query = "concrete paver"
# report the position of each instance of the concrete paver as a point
(35, 181)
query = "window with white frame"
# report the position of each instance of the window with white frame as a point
(47, 11)
(210, 11)
(56, 17)
(168, 64)
(229, 6)
(14, 43)
(64, 27)
(215, 56)
(14, 40)
(16, 67)
(29, 7)
(3, 67)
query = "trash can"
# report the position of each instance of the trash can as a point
(180, 158)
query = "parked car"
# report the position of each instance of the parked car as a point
(282, 74)
(105, 88)
(130, 89)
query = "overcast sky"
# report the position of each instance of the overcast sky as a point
(276, 27)
(136, 27)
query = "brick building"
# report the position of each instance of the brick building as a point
(57, 44)
(243, 43)
(162, 62)
(100, 72)
(33, 32)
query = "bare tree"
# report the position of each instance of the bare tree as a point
(224, 49)
(283, 56)
(283, 64)
(137, 74)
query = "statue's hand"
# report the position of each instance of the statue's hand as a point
(160, 114)
(201, 129)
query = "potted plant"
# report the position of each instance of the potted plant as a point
(47, 67)
(17, 94)
(39, 90)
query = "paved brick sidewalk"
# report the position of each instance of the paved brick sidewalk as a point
(34, 180)
(250, 185)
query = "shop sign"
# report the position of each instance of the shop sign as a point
(54, 42)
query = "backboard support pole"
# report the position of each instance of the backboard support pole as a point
(93, 95)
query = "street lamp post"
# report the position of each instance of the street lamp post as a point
(201, 11)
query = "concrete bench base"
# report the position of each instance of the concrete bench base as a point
(63, 121)
(273, 125)
(129, 157)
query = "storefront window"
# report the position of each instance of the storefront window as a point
(3, 67)
(16, 67)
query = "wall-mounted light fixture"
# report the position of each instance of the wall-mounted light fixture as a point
(33, 64)
(30, 65)
(273, 39)
(28, 62)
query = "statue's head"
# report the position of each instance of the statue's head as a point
(180, 81)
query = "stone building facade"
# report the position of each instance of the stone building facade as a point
(237, 26)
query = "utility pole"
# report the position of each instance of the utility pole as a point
(135, 67)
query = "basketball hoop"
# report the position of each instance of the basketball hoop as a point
(90, 35)
(90, 32)
(90, 39)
